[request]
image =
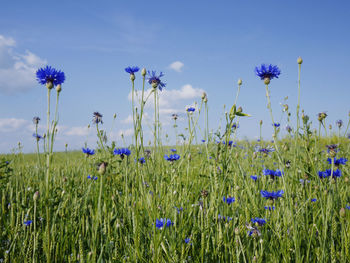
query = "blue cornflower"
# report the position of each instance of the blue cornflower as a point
(50, 75)
(88, 151)
(235, 126)
(337, 162)
(142, 160)
(223, 218)
(328, 172)
(332, 148)
(273, 173)
(267, 71)
(339, 123)
(228, 200)
(229, 143)
(203, 141)
(264, 150)
(160, 223)
(172, 157)
(155, 81)
(132, 70)
(271, 208)
(173, 150)
(259, 221)
(276, 124)
(28, 222)
(190, 109)
(37, 136)
(97, 117)
(187, 240)
(122, 152)
(313, 200)
(347, 207)
(179, 209)
(272, 195)
(254, 177)
(92, 177)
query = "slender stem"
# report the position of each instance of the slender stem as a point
(155, 121)
(48, 143)
(298, 106)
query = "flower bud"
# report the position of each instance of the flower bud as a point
(102, 168)
(114, 116)
(36, 196)
(58, 88)
(154, 84)
(49, 85)
(261, 122)
(342, 212)
(300, 60)
(132, 77)
(143, 72)
(204, 96)
(237, 231)
(267, 81)
(239, 82)
(239, 109)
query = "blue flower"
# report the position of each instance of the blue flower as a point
(273, 173)
(272, 195)
(313, 200)
(203, 141)
(264, 151)
(97, 117)
(160, 223)
(187, 240)
(122, 152)
(328, 173)
(254, 177)
(132, 70)
(142, 160)
(172, 157)
(337, 162)
(50, 75)
(228, 200)
(92, 177)
(155, 81)
(173, 150)
(223, 218)
(88, 151)
(347, 207)
(267, 71)
(269, 208)
(229, 143)
(179, 209)
(28, 222)
(339, 123)
(37, 136)
(190, 109)
(276, 124)
(259, 221)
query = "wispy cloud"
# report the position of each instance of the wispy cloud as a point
(17, 70)
(177, 66)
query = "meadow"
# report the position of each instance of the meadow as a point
(208, 198)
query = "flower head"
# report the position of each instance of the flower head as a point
(328, 173)
(228, 200)
(190, 109)
(132, 70)
(142, 160)
(37, 136)
(276, 124)
(36, 120)
(28, 222)
(259, 221)
(88, 151)
(155, 81)
(267, 71)
(254, 177)
(337, 162)
(187, 240)
(122, 152)
(273, 173)
(173, 150)
(272, 195)
(270, 208)
(160, 223)
(339, 123)
(175, 116)
(172, 157)
(92, 177)
(50, 75)
(97, 117)
(313, 200)
(288, 128)
(223, 218)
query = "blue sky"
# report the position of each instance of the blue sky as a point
(213, 43)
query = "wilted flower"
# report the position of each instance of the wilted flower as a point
(88, 151)
(288, 128)
(339, 123)
(228, 200)
(322, 116)
(172, 157)
(272, 195)
(175, 116)
(97, 117)
(36, 120)
(155, 81)
(50, 76)
(267, 72)
(160, 223)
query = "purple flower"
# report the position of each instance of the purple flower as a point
(155, 81)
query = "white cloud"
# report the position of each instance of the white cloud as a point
(11, 125)
(177, 66)
(126, 132)
(17, 71)
(128, 120)
(77, 131)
